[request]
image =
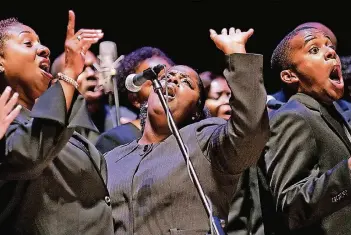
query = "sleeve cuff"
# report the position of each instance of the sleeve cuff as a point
(240, 61)
(51, 105)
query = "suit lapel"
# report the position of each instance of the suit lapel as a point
(336, 126)
(332, 122)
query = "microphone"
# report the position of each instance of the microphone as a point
(134, 82)
(106, 70)
(107, 64)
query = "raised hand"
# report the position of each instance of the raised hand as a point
(7, 113)
(76, 45)
(230, 42)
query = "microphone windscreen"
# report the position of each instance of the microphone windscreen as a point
(129, 83)
(108, 51)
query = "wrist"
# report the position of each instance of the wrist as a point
(67, 79)
(69, 73)
(236, 49)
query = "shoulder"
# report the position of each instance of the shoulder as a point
(211, 122)
(120, 131)
(293, 109)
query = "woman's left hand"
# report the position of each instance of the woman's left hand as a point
(76, 45)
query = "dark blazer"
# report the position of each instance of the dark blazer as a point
(117, 136)
(303, 174)
(52, 180)
(245, 216)
(151, 190)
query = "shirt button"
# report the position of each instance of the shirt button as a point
(108, 200)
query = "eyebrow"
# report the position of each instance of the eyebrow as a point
(309, 38)
(23, 32)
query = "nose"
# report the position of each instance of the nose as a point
(330, 54)
(173, 79)
(43, 51)
(225, 98)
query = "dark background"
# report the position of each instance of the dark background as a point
(181, 28)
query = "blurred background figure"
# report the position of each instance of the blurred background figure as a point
(99, 110)
(135, 62)
(346, 73)
(218, 94)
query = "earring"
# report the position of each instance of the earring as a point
(193, 118)
(1, 69)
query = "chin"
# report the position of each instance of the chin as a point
(224, 116)
(338, 95)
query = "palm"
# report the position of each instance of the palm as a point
(232, 41)
(7, 113)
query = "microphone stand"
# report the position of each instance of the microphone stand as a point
(111, 73)
(214, 221)
(115, 94)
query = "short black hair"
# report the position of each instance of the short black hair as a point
(280, 59)
(4, 25)
(129, 64)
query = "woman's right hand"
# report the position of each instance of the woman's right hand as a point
(76, 45)
(7, 113)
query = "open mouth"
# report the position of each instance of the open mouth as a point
(228, 112)
(170, 92)
(335, 75)
(45, 69)
(225, 110)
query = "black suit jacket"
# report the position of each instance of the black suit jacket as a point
(305, 184)
(52, 180)
(117, 136)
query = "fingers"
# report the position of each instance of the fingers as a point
(87, 37)
(231, 31)
(14, 113)
(5, 96)
(10, 104)
(70, 25)
(8, 114)
(249, 33)
(213, 34)
(7, 105)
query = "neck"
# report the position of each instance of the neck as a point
(136, 123)
(26, 103)
(154, 133)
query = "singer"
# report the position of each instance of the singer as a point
(151, 191)
(135, 62)
(52, 179)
